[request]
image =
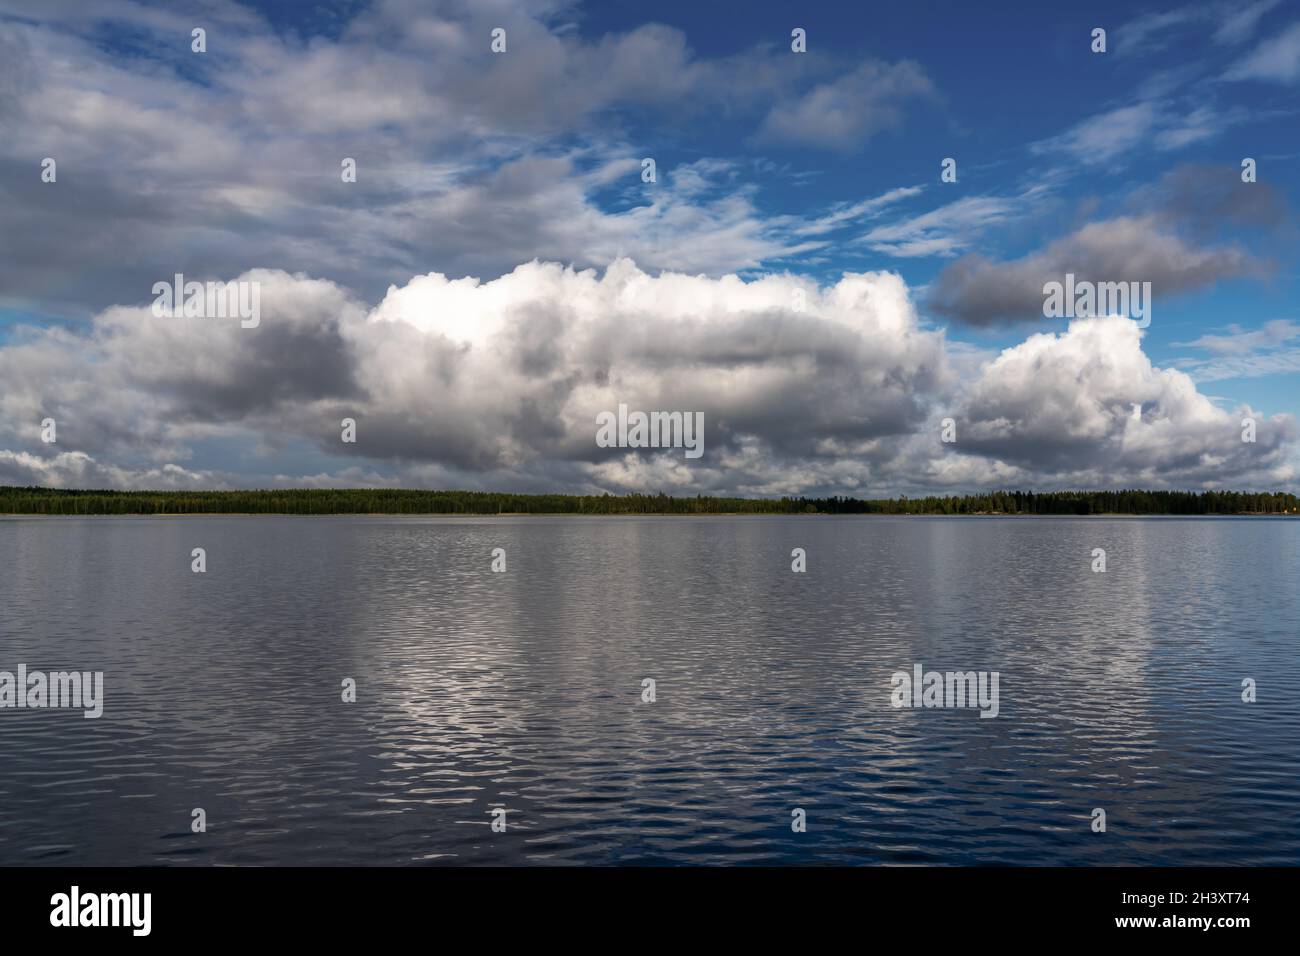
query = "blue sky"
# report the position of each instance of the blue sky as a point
(1014, 77)
(794, 169)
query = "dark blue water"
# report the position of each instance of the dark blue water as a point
(522, 690)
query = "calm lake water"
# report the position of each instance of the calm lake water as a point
(523, 690)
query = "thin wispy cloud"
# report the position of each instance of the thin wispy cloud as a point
(1275, 60)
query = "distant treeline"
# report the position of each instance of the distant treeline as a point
(327, 501)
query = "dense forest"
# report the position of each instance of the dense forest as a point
(324, 501)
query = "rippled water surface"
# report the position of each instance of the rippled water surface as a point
(522, 690)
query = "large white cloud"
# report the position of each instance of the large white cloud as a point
(1089, 405)
(804, 388)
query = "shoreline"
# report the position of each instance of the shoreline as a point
(36, 501)
(630, 514)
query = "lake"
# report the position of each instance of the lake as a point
(523, 690)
